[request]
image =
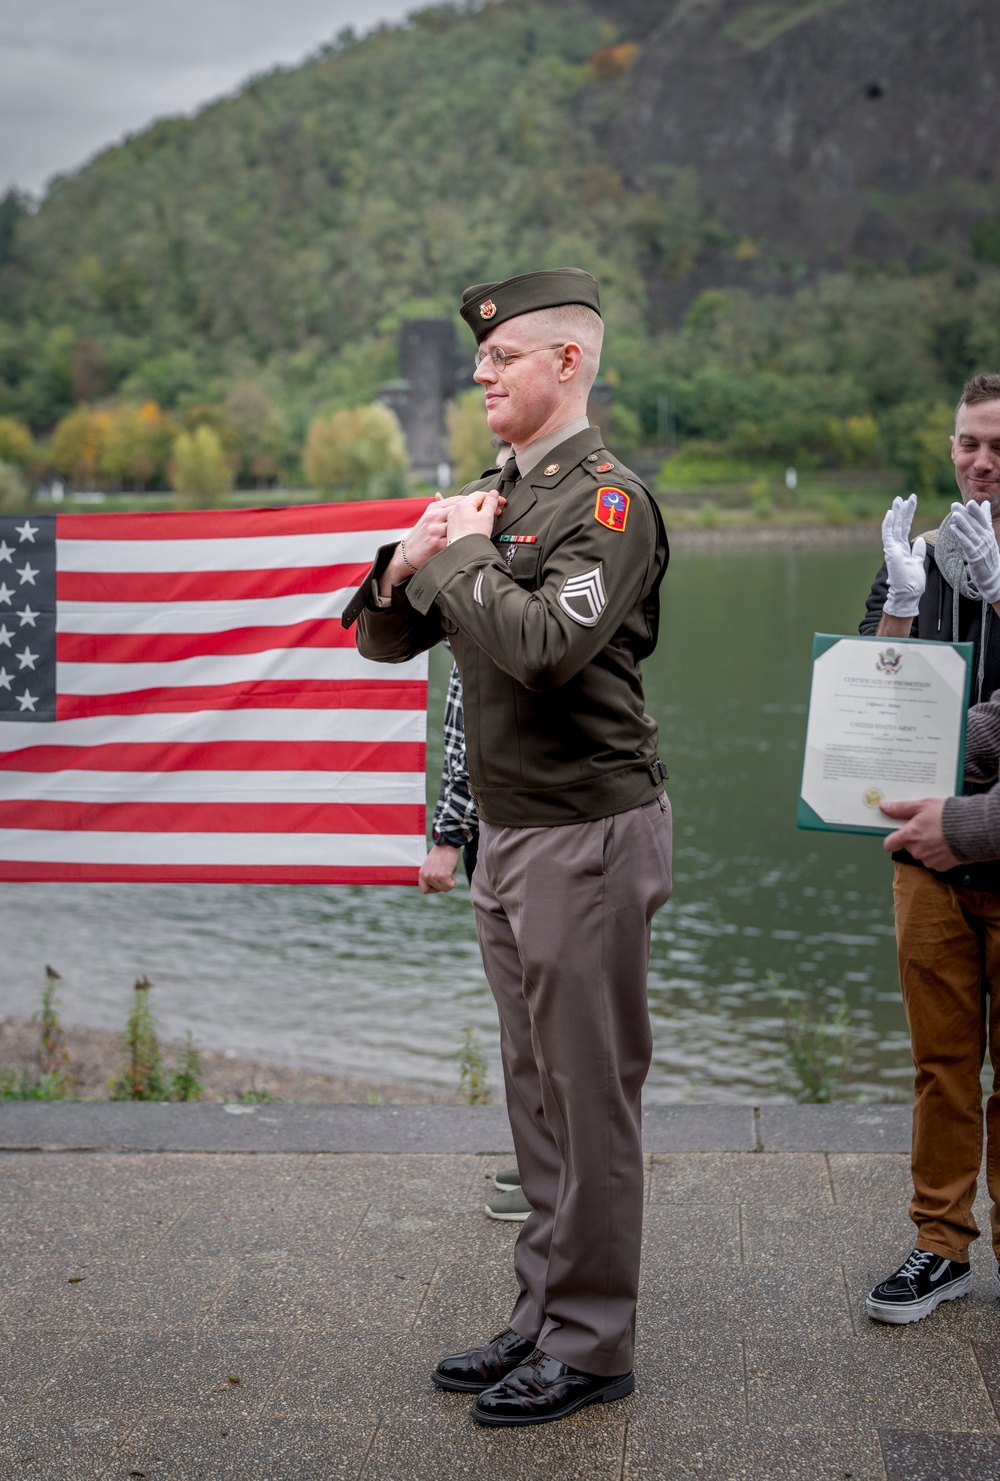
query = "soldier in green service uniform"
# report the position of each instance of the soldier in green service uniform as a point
(546, 587)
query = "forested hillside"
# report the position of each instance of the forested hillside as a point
(793, 208)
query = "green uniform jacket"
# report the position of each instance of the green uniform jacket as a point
(549, 621)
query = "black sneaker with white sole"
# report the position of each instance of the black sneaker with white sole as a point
(920, 1284)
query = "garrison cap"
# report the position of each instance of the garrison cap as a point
(485, 305)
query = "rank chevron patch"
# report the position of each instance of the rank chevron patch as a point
(584, 597)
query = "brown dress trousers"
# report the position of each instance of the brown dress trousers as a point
(563, 916)
(949, 970)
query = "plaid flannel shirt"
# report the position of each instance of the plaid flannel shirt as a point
(455, 819)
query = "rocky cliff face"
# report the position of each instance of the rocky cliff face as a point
(816, 133)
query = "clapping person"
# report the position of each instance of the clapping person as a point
(945, 586)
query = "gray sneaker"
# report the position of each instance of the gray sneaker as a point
(507, 1178)
(511, 1206)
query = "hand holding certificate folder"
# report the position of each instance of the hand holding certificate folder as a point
(885, 723)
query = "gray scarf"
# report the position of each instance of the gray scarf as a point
(951, 563)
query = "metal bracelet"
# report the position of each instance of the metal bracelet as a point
(402, 551)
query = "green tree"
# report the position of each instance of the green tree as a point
(199, 473)
(622, 428)
(860, 441)
(13, 489)
(932, 468)
(358, 453)
(916, 438)
(16, 443)
(48, 366)
(257, 433)
(78, 444)
(13, 207)
(137, 444)
(172, 379)
(470, 442)
(985, 240)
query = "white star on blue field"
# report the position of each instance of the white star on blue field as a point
(27, 551)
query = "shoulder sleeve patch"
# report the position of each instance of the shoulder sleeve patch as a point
(611, 509)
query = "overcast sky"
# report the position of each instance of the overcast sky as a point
(76, 75)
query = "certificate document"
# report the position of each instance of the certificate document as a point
(886, 722)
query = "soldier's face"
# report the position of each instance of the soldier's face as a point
(975, 452)
(521, 399)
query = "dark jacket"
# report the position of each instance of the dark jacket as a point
(549, 620)
(934, 621)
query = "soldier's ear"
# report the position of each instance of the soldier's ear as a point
(571, 358)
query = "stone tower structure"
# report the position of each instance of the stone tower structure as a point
(432, 371)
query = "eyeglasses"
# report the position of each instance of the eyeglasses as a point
(501, 358)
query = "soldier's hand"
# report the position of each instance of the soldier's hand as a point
(430, 533)
(907, 576)
(474, 514)
(973, 526)
(922, 834)
(427, 537)
(437, 872)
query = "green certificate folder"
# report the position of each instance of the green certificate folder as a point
(885, 722)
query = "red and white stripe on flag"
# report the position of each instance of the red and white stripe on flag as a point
(182, 702)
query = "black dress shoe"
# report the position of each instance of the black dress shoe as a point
(472, 1372)
(542, 1389)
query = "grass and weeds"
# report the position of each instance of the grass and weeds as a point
(53, 1078)
(55, 1075)
(819, 1047)
(188, 1080)
(473, 1085)
(760, 498)
(20, 1085)
(143, 1074)
(819, 1042)
(259, 1095)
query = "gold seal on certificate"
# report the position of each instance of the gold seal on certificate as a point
(886, 722)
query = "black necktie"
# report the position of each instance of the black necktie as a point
(509, 476)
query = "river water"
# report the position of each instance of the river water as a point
(380, 982)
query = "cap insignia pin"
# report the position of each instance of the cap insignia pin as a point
(551, 468)
(487, 309)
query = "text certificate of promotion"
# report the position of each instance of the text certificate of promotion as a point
(886, 722)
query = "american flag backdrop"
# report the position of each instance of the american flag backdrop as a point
(178, 700)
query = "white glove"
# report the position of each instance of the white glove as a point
(973, 525)
(907, 577)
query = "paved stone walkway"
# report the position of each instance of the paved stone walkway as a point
(253, 1313)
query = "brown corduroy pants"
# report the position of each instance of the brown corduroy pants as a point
(563, 917)
(948, 944)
